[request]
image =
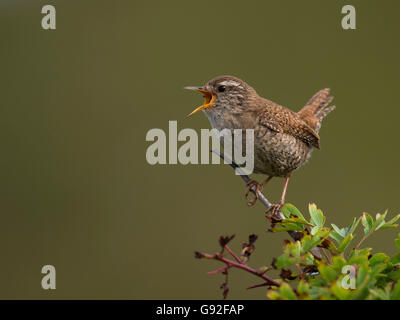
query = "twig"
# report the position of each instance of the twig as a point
(328, 259)
(264, 284)
(243, 266)
(218, 270)
(233, 254)
(363, 239)
(316, 252)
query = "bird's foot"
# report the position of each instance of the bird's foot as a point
(258, 188)
(273, 212)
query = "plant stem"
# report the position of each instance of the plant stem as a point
(218, 270)
(328, 259)
(233, 254)
(362, 240)
(239, 265)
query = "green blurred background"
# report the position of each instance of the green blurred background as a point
(77, 102)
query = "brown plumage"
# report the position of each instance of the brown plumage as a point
(316, 109)
(284, 139)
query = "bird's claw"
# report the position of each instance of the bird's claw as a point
(273, 211)
(250, 185)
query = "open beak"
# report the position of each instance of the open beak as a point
(208, 98)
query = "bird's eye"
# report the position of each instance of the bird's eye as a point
(221, 88)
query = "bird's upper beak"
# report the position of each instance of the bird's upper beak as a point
(208, 98)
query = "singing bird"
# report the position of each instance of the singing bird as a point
(283, 139)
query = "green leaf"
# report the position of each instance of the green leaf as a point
(340, 293)
(388, 226)
(315, 229)
(323, 232)
(346, 241)
(335, 236)
(376, 269)
(273, 295)
(338, 263)
(395, 259)
(361, 252)
(303, 287)
(287, 292)
(308, 242)
(360, 294)
(298, 220)
(394, 275)
(290, 224)
(378, 258)
(316, 292)
(338, 234)
(392, 221)
(331, 246)
(327, 272)
(380, 294)
(285, 225)
(367, 222)
(283, 261)
(293, 249)
(379, 220)
(341, 232)
(297, 249)
(317, 217)
(395, 295)
(307, 259)
(288, 210)
(362, 275)
(353, 226)
(397, 242)
(358, 259)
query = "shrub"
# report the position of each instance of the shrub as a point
(318, 262)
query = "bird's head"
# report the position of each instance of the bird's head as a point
(225, 92)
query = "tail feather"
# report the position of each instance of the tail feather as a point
(316, 109)
(324, 112)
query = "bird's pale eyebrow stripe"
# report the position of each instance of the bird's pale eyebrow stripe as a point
(230, 83)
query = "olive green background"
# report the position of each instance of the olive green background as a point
(76, 104)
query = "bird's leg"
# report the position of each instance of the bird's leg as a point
(259, 187)
(274, 209)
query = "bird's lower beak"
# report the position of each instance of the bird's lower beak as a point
(208, 98)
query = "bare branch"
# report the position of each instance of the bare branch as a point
(233, 254)
(224, 268)
(243, 266)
